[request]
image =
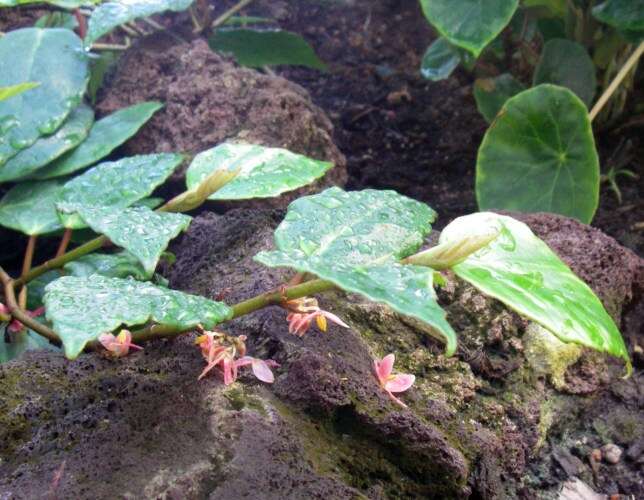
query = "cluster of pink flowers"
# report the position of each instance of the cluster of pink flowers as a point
(16, 326)
(302, 311)
(228, 354)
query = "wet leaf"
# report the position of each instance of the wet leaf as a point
(21, 342)
(492, 93)
(106, 135)
(520, 270)
(55, 59)
(117, 184)
(47, 149)
(114, 265)
(355, 239)
(36, 288)
(13, 90)
(99, 68)
(80, 309)
(625, 15)
(263, 172)
(440, 59)
(109, 15)
(30, 207)
(139, 230)
(63, 4)
(567, 63)
(256, 48)
(470, 24)
(539, 156)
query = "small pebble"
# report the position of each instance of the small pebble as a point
(611, 453)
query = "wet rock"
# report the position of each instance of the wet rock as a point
(209, 100)
(324, 429)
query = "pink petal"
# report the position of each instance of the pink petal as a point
(245, 361)
(37, 312)
(15, 326)
(107, 340)
(228, 371)
(384, 367)
(206, 370)
(334, 318)
(400, 383)
(4, 309)
(262, 371)
(396, 400)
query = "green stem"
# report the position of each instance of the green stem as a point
(230, 13)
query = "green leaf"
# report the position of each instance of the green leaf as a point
(142, 232)
(265, 48)
(30, 207)
(470, 24)
(355, 239)
(567, 63)
(520, 270)
(263, 172)
(492, 93)
(625, 15)
(36, 288)
(53, 57)
(539, 156)
(57, 19)
(47, 149)
(63, 4)
(114, 265)
(245, 20)
(81, 309)
(99, 68)
(440, 60)
(13, 90)
(110, 15)
(21, 342)
(555, 7)
(106, 135)
(117, 184)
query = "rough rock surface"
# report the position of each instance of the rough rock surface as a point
(482, 423)
(209, 100)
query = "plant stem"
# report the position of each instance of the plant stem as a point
(82, 23)
(64, 243)
(58, 262)
(19, 314)
(26, 266)
(229, 13)
(628, 65)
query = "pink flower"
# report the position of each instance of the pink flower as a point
(16, 326)
(392, 383)
(261, 368)
(120, 345)
(303, 311)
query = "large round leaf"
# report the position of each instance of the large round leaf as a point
(539, 156)
(117, 184)
(30, 207)
(354, 240)
(47, 149)
(470, 24)
(521, 271)
(110, 15)
(13, 90)
(625, 15)
(567, 63)
(106, 135)
(81, 309)
(52, 57)
(262, 172)
(113, 265)
(492, 93)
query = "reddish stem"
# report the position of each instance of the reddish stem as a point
(82, 23)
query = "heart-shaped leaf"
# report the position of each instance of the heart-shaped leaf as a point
(142, 232)
(625, 15)
(106, 135)
(30, 207)
(81, 309)
(110, 15)
(492, 93)
(470, 24)
(13, 90)
(47, 149)
(355, 239)
(567, 63)
(521, 271)
(539, 156)
(256, 48)
(114, 265)
(117, 184)
(52, 57)
(440, 59)
(262, 172)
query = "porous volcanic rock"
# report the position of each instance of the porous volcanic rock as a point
(208, 100)
(480, 424)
